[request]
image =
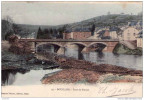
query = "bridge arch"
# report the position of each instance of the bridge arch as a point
(97, 46)
(97, 43)
(76, 43)
(49, 43)
(55, 47)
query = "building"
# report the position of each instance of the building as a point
(136, 24)
(139, 42)
(103, 34)
(113, 35)
(106, 33)
(140, 39)
(77, 34)
(130, 34)
(132, 23)
(114, 32)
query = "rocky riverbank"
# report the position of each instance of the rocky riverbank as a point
(87, 76)
(122, 49)
(23, 61)
(76, 71)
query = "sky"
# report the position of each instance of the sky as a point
(57, 13)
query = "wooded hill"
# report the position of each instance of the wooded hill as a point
(99, 21)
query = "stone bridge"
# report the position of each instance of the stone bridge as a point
(83, 45)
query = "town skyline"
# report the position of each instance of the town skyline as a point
(63, 13)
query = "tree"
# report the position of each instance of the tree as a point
(51, 31)
(39, 33)
(9, 19)
(47, 34)
(61, 30)
(46, 31)
(16, 28)
(92, 29)
(10, 33)
(7, 28)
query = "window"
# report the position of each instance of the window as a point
(134, 34)
(128, 34)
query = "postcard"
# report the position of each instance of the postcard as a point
(72, 49)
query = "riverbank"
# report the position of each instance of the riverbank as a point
(80, 71)
(24, 61)
(122, 49)
(74, 71)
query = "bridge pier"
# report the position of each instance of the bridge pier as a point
(35, 50)
(105, 49)
(85, 50)
(33, 46)
(111, 46)
(61, 51)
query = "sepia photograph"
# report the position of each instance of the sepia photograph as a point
(71, 48)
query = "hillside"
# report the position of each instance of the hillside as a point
(33, 28)
(104, 20)
(99, 21)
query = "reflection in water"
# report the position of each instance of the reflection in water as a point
(24, 77)
(8, 76)
(48, 48)
(100, 54)
(32, 77)
(129, 61)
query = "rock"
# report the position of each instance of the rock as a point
(122, 49)
(72, 76)
(51, 67)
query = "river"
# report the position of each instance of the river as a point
(128, 61)
(33, 77)
(124, 60)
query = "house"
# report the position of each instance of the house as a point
(101, 33)
(104, 34)
(140, 39)
(139, 24)
(130, 34)
(132, 23)
(136, 24)
(114, 32)
(77, 34)
(139, 42)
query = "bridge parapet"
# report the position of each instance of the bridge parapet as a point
(69, 40)
(110, 44)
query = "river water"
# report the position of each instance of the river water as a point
(128, 61)
(33, 77)
(124, 60)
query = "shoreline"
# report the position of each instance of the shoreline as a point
(75, 71)
(84, 71)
